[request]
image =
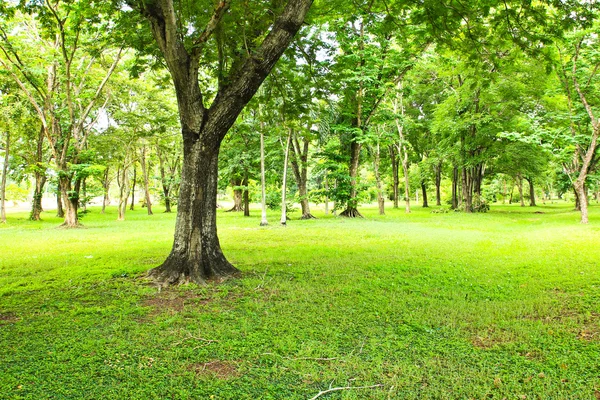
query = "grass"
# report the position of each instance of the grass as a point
(430, 306)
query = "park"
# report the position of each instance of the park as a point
(303, 199)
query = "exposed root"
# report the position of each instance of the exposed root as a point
(237, 208)
(175, 271)
(308, 216)
(70, 226)
(351, 213)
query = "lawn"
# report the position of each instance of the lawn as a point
(425, 306)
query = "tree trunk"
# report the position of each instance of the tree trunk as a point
(106, 187)
(236, 183)
(395, 174)
(438, 184)
(380, 194)
(326, 194)
(351, 210)
(263, 198)
(196, 254)
(299, 162)
(246, 195)
(3, 181)
(531, 193)
(133, 182)
(38, 193)
(60, 212)
(424, 191)
(70, 196)
(123, 183)
(283, 220)
(406, 180)
(146, 180)
(455, 188)
(520, 187)
(582, 201)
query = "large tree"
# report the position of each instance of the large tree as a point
(238, 44)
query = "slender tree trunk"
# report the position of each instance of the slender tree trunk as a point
(406, 180)
(531, 193)
(395, 174)
(351, 210)
(520, 187)
(299, 160)
(283, 220)
(505, 191)
(146, 179)
(424, 191)
(246, 195)
(133, 182)
(123, 183)
(380, 194)
(455, 188)
(326, 195)
(3, 181)
(106, 188)
(582, 201)
(263, 199)
(438, 184)
(577, 199)
(166, 184)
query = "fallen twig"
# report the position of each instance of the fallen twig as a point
(322, 392)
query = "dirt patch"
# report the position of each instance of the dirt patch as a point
(174, 302)
(216, 368)
(491, 338)
(8, 318)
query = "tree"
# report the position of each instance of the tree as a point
(196, 254)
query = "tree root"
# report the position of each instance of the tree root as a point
(308, 216)
(236, 209)
(351, 213)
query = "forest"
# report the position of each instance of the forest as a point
(406, 194)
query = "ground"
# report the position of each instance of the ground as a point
(498, 305)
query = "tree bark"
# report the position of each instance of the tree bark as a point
(123, 183)
(438, 184)
(299, 161)
(246, 195)
(283, 220)
(60, 212)
(70, 195)
(106, 188)
(520, 187)
(263, 198)
(424, 191)
(395, 174)
(196, 254)
(40, 179)
(133, 181)
(380, 194)
(351, 210)
(3, 181)
(146, 179)
(531, 193)
(455, 187)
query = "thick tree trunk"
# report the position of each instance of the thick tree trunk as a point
(395, 175)
(196, 255)
(133, 181)
(467, 189)
(38, 193)
(70, 196)
(582, 200)
(351, 210)
(236, 183)
(146, 180)
(3, 180)
(531, 193)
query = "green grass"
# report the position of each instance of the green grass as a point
(431, 306)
